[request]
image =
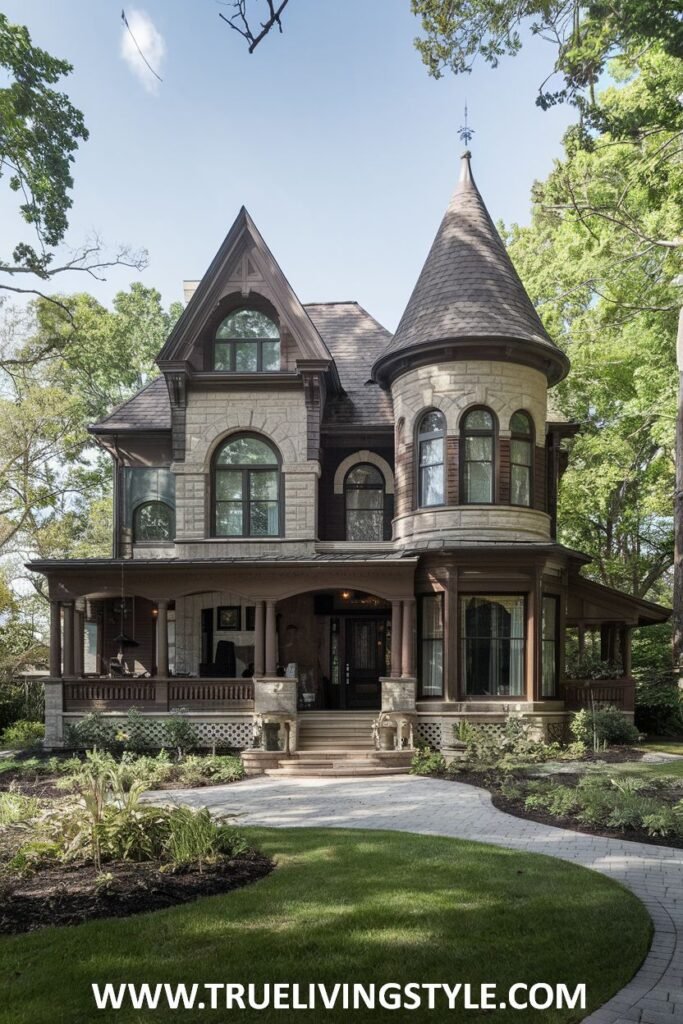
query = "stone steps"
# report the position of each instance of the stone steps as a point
(342, 730)
(342, 763)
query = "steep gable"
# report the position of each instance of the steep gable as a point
(245, 266)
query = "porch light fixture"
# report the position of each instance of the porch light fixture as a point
(346, 594)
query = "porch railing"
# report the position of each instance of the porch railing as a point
(158, 694)
(586, 693)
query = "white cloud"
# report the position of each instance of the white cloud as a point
(151, 43)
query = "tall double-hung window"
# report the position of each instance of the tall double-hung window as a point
(492, 644)
(521, 455)
(431, 443)
(477, 446)
(246, 488)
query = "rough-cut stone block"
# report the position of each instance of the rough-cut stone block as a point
(398, 694)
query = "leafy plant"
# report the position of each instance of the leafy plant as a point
(23, 734)
(427, 762)
(15, 807)
(603, 727)
(195, 838)
(180, 733)
(659, 705)
(138, 733)
(92, 731)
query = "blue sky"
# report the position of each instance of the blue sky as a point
(334, 137)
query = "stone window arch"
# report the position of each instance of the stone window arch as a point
(478, 446)
(246, 472)
(363, 456)
(431, 459)
(521, 459)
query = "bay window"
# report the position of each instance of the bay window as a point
(430, 627)
(492, 644)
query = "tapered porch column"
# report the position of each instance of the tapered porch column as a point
(259, 662)
(408, 639)
(55, 639)
(271, 639)
(396, 624)
(162, 639)
(68, 638)
(78, 641)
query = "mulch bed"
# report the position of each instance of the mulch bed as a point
(516, 808)
(69, 895)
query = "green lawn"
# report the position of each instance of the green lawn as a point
(348, 906)
(665, 746)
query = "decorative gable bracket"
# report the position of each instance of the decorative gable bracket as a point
(176, 382)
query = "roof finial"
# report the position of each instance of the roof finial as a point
(465, 132)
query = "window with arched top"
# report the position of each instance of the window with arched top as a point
(153, 522)
(364, 503)
(431, 444)
(247, 341)
(477, 447)
(246, 488)
(521, 459)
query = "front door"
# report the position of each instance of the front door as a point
(366, 646)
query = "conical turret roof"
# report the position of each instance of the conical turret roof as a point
(469, 297)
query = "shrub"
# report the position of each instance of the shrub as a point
(23, 734)
(150, 771)
(194, 770)
(662, 822)
(180, 733)
(92, 731)
(603, 727)
(138, 733)
(427, 762)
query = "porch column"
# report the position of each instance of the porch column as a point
(271, 639)
(78, 641)
(396, 639)
(162, 639)
(582, 640)
(68, 638)
(625, 637)
(55, 639)
(408, 640)
(259, 664)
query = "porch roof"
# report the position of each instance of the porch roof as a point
(592, 603)
(384, 575)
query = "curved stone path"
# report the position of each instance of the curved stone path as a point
(436, 807)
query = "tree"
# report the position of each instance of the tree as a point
(40, 131)
(597, 261)
(585, 37)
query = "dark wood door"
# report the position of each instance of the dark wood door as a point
(366, 640)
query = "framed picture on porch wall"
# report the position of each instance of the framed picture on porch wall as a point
(229, 617)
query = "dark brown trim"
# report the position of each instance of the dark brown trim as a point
(527, 352)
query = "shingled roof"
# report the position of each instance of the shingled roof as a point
(355, 340)
(149, 409)
(468, 288)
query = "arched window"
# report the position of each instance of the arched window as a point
(153, 521)
(478, 449)
(247, 341)
(246, 489)
(431, 434)
(364, 500)
(521, 459)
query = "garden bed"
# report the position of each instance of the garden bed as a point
(72, 894)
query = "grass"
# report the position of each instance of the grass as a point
(355, 906)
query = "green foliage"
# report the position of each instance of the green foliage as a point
(427, 762)
(603, 727)
(41, 131)
(195, 838)
(15, 807)
(23, 734)
(659, 706)
(590, 666)
(137, 734)
(93, 730)
(180, 734)
(195, 770)
(624, 804)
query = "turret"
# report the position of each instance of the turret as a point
(469, 367)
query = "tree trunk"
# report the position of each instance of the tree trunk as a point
(677, 618)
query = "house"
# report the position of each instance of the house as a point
(316, 522)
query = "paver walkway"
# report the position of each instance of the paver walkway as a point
(436, 807)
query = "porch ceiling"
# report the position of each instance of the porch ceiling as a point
(387, 577)
(592, 603)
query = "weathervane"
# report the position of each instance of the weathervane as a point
(465, 132)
